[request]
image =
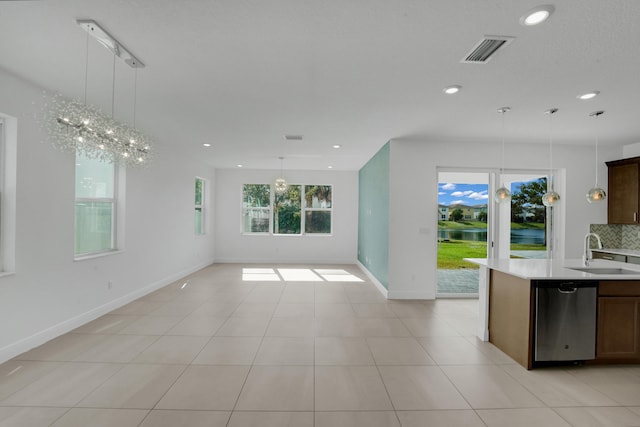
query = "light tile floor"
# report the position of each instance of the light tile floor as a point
(216, 350)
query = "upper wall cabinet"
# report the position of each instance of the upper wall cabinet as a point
(624, 188)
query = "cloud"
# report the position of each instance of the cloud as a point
(461, 193)
(457, 202)
(448, 186)
(479, 196)
(441, 193)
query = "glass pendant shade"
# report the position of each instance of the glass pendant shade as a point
(502, 195)
(280, 183)
(280, 186)
(550, 198)
(596, 194)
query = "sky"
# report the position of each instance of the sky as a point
(465, 194)
(468, 194)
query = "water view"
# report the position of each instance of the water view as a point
(519, 236)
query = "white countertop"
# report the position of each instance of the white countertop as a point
(533, 269)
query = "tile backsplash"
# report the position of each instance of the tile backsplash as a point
(618, 236)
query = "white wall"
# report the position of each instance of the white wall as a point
(233, 246)
(413, 200)
(50, 293)
(631, 150)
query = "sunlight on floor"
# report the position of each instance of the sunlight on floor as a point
(297, 275)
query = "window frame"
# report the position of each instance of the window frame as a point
(116, 213)
(312, 209)
(201, 207)
(268, 209)
(271, 211)
(8, 185)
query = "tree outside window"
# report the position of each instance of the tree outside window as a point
(256, 208)
(318, 209)
(301, 209)
(199, 206)
(287, 211)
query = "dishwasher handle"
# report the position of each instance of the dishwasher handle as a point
(567, 288)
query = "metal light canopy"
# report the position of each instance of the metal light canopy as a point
(596, 194)
(108, 41)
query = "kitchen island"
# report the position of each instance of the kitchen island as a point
(507, 304)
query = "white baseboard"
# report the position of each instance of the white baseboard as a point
(14, 349)
(411, 295)
(374, 280)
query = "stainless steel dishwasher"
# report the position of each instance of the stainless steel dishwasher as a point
(565, 320)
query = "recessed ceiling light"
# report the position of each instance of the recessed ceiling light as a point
(337, 146)
(206, 144)
(239, 166)
(589, 95)
(537, 15)
(450, 90)
(329, 167)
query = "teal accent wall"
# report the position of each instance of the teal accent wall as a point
(373, 215)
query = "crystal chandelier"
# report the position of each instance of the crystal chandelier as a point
(75, 126)
(280, 183)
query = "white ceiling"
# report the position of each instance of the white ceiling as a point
(240, 74)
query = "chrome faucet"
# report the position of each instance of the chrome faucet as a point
(588, 255)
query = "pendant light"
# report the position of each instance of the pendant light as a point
(502, 194)
(596, 194)
(280, 183)
(550, 197)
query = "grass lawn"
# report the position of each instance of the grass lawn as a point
(450, 253)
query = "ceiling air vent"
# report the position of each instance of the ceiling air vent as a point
(482, 52)
(293, 137)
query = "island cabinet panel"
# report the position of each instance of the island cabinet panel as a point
(511, 316)
(624, 186)
(618, 321)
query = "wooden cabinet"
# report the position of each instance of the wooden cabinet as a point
(618, 329)
(511, 316)
(624, 187)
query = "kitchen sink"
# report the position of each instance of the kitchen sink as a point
(604, 270)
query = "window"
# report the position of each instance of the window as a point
(95, 206)
(317, 213)
(286, 211)
(301, 209)
(256, 208)
(199, 206)
(8, 163)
